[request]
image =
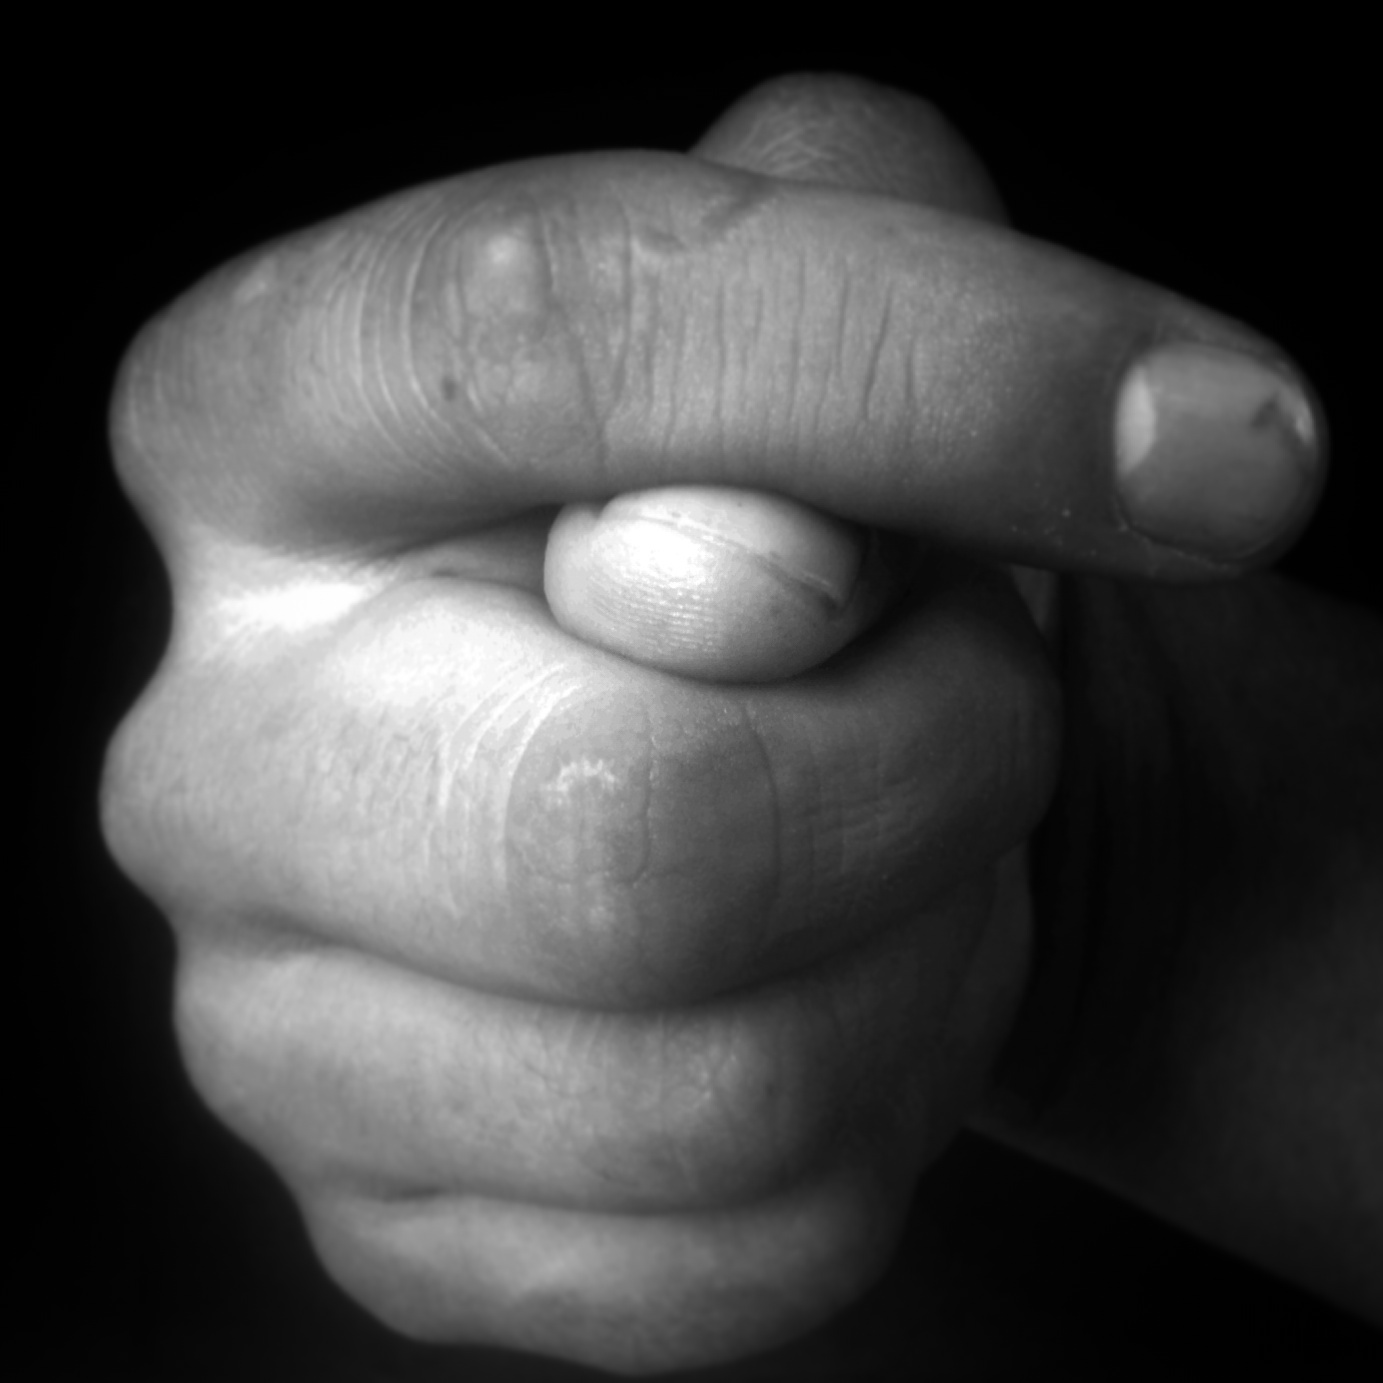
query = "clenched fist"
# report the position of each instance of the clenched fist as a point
(613, 686)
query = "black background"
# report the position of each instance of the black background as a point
(1233, 167)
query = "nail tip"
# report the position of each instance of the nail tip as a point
(1216, 451)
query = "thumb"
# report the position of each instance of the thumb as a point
(736, 584)
(853, 135)
(728, 585)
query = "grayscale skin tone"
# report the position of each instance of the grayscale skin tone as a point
(632, 613)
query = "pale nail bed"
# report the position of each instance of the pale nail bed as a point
(1215, 451)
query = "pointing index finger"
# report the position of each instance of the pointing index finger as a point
(574, 328)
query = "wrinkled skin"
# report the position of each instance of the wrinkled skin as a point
(591, 1004)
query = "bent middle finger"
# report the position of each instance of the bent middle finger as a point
(356, 1076)
(448, 780)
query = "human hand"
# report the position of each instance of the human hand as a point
(584, 1008)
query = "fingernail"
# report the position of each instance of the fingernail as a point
(822, 555)
(1214, 451)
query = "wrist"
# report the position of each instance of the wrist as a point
(1204, 1036)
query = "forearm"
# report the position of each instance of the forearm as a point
(1216, 1054)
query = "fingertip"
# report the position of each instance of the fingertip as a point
(1217, 452)
(721, 584)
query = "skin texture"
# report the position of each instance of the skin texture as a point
(730, 585)
(586, 1006)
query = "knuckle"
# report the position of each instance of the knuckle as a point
(173, 803)
(508, 325)
(247, 1025)
(389, 1261)
(137, 796)
(227, 1045)
(138, 423)
(207, 1041)
(641, 849)
(203, 379)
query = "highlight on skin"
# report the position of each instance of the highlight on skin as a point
(711, 582)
